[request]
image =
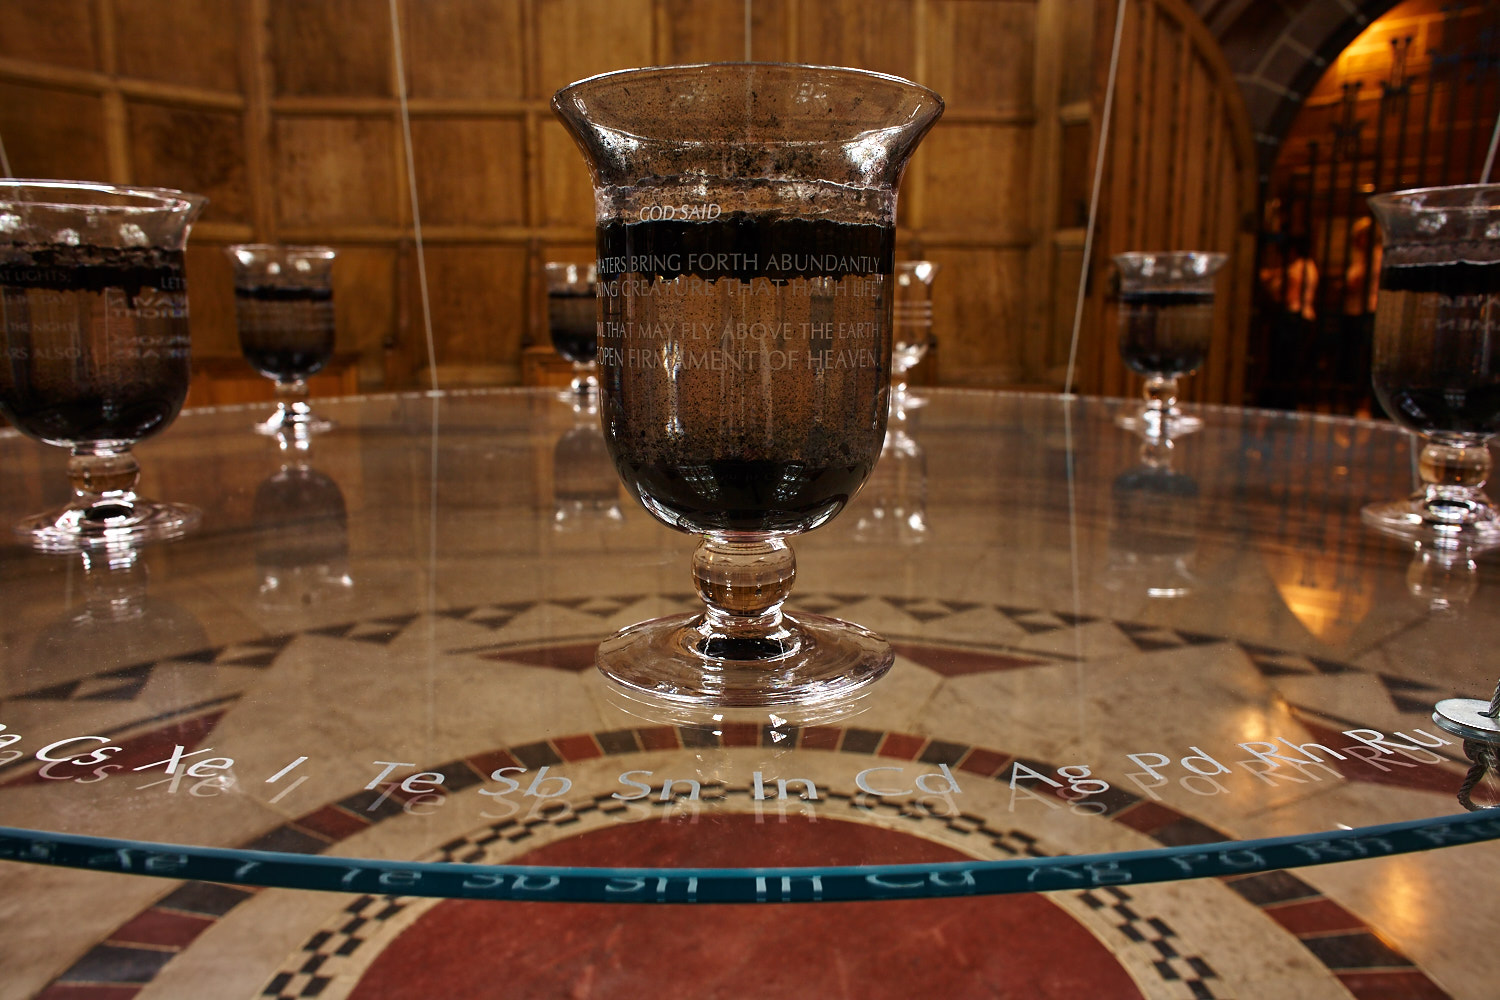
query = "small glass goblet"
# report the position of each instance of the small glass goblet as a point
(911, 329)
(1436, 367)
(94, 329)
(1166, 325)
(572, 322)
(283, 306)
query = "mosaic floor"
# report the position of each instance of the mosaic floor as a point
(1371, 929)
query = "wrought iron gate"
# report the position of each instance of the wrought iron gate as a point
(1318, 253)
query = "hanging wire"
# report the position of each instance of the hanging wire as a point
(416, 215)
(5, 160)
(1489, 159)
(1088, 237)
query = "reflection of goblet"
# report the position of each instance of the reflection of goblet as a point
(1166, 324)
(1442, 575)
(572, 321)
(283, 305)
(1437, 354)
(892, 508)
(1153, 536)
(119, 626)
(302, 536)
(94, 323)
(585, 486)
(746, 241)
(912, 330)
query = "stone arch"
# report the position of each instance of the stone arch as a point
(1278, 49)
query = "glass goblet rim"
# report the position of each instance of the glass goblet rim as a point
(573, 90)
(1469, 198)
(73, 195)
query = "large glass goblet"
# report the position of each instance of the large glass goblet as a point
(573, 322)
(746, 232)
(283, 306)
(1166, 325)
(1436, 365)
(94, 325)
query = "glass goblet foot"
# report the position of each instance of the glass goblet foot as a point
(1451, 506)
(293, 416)
(743, 650)
(105, 509)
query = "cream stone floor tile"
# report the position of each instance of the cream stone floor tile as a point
(51, 916)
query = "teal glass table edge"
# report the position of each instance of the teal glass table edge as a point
(741, 885)
(1192, 850)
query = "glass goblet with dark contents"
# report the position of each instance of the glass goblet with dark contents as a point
(572, 323)
(94, 334)
(1436, 368)
(1166, 323)
(283, 306)
(746, 234)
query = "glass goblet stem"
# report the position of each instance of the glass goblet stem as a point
(103, 474)
(291, 405)
(1161, 401)
(743, 583)
(1453, 479)
(584, 381)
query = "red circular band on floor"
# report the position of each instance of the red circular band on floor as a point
(1017, 946)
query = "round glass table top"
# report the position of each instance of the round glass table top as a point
(372, 668)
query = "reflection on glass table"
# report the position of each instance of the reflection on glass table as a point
(302, 550)
(1154, 524)
(585, 486)
(892, 507)
(911, 329)
(1217, 758)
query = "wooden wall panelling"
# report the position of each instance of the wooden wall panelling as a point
(116, 141)
(694, 31)
(367, 290)
(469, 171)
(256, 73)
(53, 132)
(1039, 349)
(191, 43)
(459, 49)
(581, 38)
(867, 34)
(567, 192)
(311, 100)
(331, 48)
(980, 307)
(478, 297)
(210, 282)
(56, 33)
(336, 172)
(192, 149)
(982, 56)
